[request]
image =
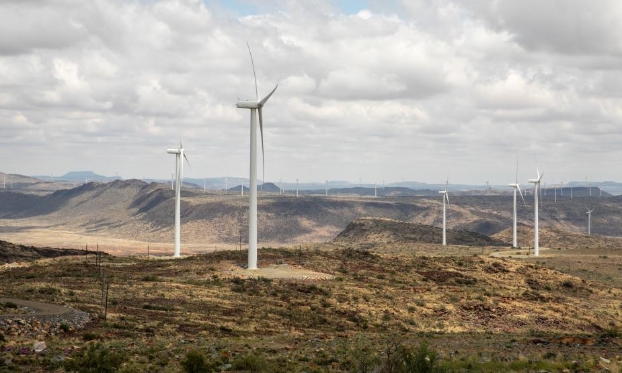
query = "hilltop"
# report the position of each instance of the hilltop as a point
(10, 252)
(383, 231)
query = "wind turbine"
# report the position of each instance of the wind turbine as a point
(536, 183)
(589, 220)
(296, 187)
(445, 194)
(375, 194)
(516, 187)
(179, 172)
(255, 108)
(326, 188)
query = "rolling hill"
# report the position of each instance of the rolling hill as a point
(137, 210)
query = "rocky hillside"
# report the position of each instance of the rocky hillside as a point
(137, 210)
(377, 230)
(10, 252)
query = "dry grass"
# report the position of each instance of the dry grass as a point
(468, 306)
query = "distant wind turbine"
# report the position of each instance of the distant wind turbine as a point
(589, 220)
(179, 172)
(326, 188)
(296, 187)
(516, 187)
(536, 183)
(445, 196)
(255, 108)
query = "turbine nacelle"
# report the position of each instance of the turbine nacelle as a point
(174, 151)
(537, 180)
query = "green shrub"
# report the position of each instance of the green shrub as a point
(195, 362)
(152, 278)
(10, 305)
(407, 359)
(251, 363)
(49, 290)
(96, 359)
(88, 336)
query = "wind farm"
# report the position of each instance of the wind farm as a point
(302, 261)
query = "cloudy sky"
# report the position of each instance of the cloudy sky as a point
(376, 90)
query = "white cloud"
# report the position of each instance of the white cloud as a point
(420, 86)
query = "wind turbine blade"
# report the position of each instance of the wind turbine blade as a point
(255, 75)
(187, 161)
(263, 156)
(181, 170)
(521, 194)
(447, 197)
(517, 171)
(265, 99)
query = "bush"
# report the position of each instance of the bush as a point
(195, 362)
(96, 359)
(88, 336)
(151, 278)
(252, 363)
(10, 305)
(407, 359)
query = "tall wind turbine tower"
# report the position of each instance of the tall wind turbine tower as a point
(589, 220)
(445, 196)
(255, 108)
(179, 171)
(326, 188)
(516, 187)
(296, 187)
(536, 184)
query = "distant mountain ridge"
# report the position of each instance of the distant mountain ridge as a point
(340, 186)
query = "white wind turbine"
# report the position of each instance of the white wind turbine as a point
(589, 220)
(180, 155)
(255, 108)
(536, 183)
(445, 194)
(516, 187)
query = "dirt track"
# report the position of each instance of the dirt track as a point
(40, 309)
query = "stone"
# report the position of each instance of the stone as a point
(39, 346)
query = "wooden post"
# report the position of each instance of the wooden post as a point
(106, 302)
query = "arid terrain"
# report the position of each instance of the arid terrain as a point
(125, 217)
(376, 293)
